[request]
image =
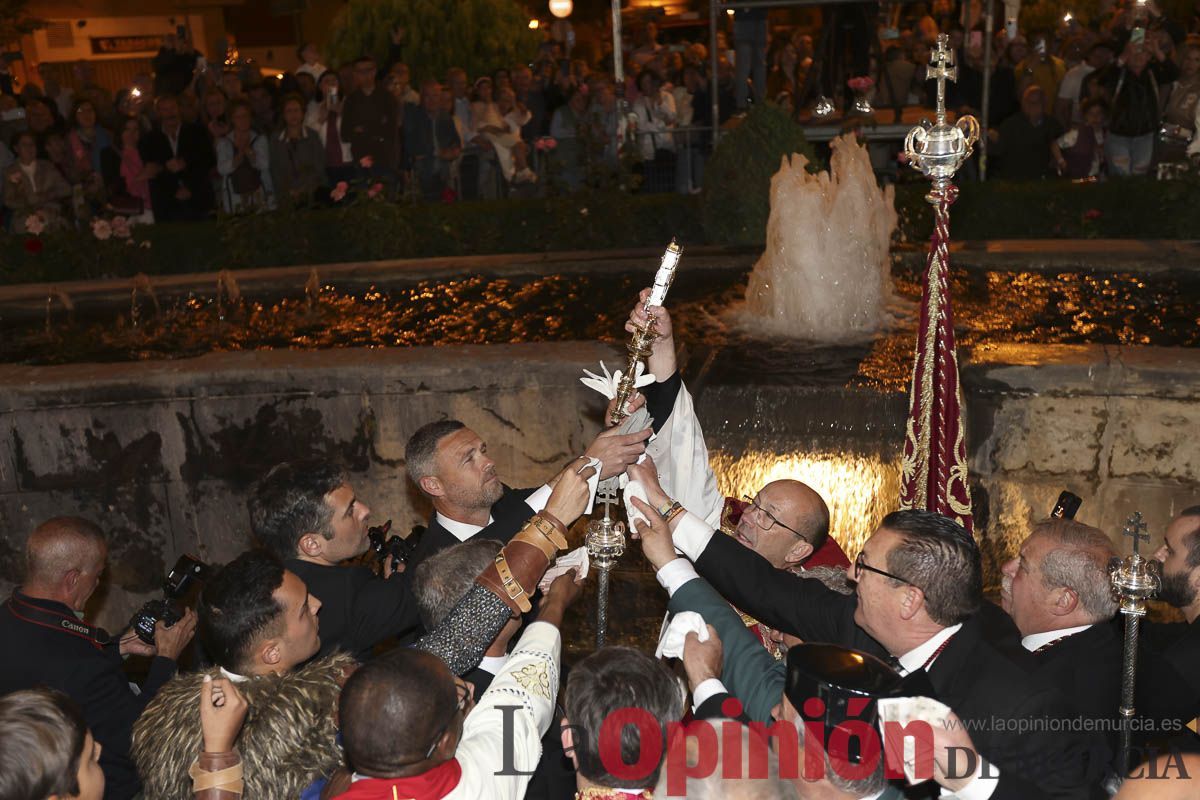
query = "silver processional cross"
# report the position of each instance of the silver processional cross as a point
(942, 69)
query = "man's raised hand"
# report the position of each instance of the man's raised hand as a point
(571, 492)
(617, 451)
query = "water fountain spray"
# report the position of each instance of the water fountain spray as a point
(605, 537)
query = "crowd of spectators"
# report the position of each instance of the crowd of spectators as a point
(1118, 97)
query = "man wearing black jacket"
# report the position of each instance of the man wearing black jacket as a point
(1058, 592)
(917, 598)
(450, 464)
(182, 157)
(47, 644)
(308, 516)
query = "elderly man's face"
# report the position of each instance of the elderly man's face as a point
(1023, 594)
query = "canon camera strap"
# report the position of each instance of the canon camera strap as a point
(69, 624)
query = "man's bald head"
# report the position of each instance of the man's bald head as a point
(795, 505)
(64, 557)
(392, 710)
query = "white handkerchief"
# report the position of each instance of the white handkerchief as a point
(593, 482)
(576, 559)
(634, 489)
(670, 645)
(903, 710)
(607, 383)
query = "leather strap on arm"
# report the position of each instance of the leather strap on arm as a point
(522, 563)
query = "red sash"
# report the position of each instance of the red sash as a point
(436, 783)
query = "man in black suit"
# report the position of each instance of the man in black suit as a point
(182, 158)
(1169, 681)
(1058, 592)
(918, 591)
(309, 517)
(438, 584)
(450, 464)
(47, 644)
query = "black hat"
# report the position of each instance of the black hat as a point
(832, 685)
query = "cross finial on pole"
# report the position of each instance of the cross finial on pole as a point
(942, 69)
(1135, 527)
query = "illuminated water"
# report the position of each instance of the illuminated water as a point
(990, 307)
(825, 274)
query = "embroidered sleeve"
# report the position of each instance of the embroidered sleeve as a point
(501, 740)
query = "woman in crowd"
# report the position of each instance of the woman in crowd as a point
(244, 164)
(324, 116)
(565, 128)
(297, 157)
(215, 115)
(655, 113)
(1079, 153)
(1179, 115)
(87, 139)
(33, 186)
(127, 176)
(781, 79)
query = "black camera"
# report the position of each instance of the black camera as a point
(186, 576)
(399, 549)
(1066, 506)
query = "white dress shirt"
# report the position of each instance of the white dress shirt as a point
(1035, 640)
(465, 530)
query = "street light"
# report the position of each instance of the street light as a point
(561, 8)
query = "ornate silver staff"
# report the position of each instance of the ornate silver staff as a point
(644, 336)
(605, 538)
(1135, 580)
(934, 466)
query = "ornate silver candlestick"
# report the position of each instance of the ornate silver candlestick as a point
(1135, 580)
(643, 337)
(605, 540)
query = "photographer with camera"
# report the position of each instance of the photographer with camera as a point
(308, 516)
(48, 644)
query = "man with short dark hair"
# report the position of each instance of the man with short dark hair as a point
(369, 121)
(46, 749)
(451, 466)
(917, 601)
(180, 156)
(47, 643)
(309, 517)
(611, 679)
(259, 623)
(409, 731)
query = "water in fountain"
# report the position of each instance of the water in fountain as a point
(825, 274)
(64, 300)
(228, 285)
(142, 285)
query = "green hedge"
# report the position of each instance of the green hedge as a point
(368, 231)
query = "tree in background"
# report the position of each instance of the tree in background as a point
(434, 35)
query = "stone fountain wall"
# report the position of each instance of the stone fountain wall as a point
(162, 453)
